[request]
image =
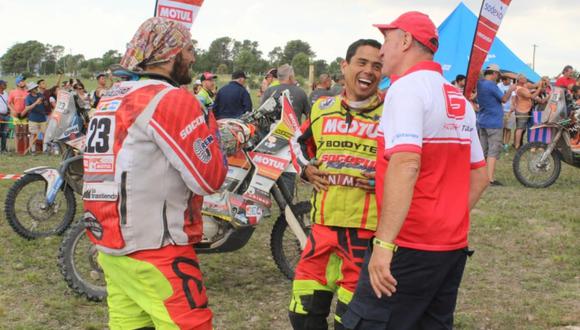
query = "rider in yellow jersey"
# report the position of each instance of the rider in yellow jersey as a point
(339, 148)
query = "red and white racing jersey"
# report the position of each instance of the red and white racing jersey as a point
(149, 158)
(425, 114)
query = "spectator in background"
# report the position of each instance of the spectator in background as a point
(35, 106)
(523, 102)
(47, 93)
(67, 85)
(271, 79)
(4, 117)
(102, 86)
(206, 95)
(322, 88)
(566, 80)
(460, 82)
(196, 87)
(509, 118)
(490, 118)
(233, 100)
(17, 105)
(338, 85)
(297, 95)
(52, 95)
(576, 91)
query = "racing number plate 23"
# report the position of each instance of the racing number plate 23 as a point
(100, 140)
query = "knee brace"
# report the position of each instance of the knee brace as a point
(317, 308)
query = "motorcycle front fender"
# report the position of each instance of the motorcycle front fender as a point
(53, 180)
(295, 226)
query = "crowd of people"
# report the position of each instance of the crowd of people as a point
(506, 106)
(233, 99)
(26, 110)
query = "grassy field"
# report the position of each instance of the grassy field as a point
(525, 273)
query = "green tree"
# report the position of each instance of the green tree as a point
(23, 57)
(320, 67)
(93, 65)
(202, 61)
(220, 52)
(300, 62)
(293, 47)
(71, 63)
(51, 56)
(109, 58)
(276, 56)
(222, 69)
(245, 61)
(246, 45)
(334, 67)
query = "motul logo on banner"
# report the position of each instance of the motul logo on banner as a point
(490, 17)
(183, 11)
(176, 14)
(276, 163)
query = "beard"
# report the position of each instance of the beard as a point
(180, 71)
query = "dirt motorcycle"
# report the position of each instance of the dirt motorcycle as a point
(42, 202)
(230, 216)
(537, 164)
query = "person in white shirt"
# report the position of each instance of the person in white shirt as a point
(4, 116)
(509, 118)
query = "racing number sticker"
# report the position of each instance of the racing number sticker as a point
(101, 133)
(455, 102)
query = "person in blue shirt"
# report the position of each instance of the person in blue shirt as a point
(35, 106)
(490, 117)
(233, 100)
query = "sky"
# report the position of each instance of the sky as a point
(92, 27)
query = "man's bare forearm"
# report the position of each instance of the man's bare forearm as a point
(400, 179)
(478, 181)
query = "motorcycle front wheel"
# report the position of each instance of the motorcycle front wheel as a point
(77, 260)
(284, 244)
(531, 171)
(28, 213)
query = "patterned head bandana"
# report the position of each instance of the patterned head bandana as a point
(157, 41)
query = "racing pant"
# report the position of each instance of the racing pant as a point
(331, 262)
(160, 288)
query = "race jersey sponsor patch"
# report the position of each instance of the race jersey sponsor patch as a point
(340, 126)
(99, 163)
(109, 106)
(327, 103)
(190, 128)
(100, 191)
(201, 148)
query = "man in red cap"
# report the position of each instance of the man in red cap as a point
(430, 173)
(206, 94)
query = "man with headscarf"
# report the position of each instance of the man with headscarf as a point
(151, 154)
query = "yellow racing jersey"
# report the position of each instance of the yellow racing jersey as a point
(345, 141)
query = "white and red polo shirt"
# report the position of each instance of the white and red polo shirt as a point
(425, 114)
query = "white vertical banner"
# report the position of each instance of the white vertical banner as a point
(182, 11)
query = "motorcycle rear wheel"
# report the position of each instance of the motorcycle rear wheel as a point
(530, 172)
(27, 213)
(77, 260)
(284, 244)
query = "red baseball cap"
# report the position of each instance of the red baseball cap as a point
(417, 24)
(207, 76)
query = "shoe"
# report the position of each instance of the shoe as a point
(496, 183)
(506, 147)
